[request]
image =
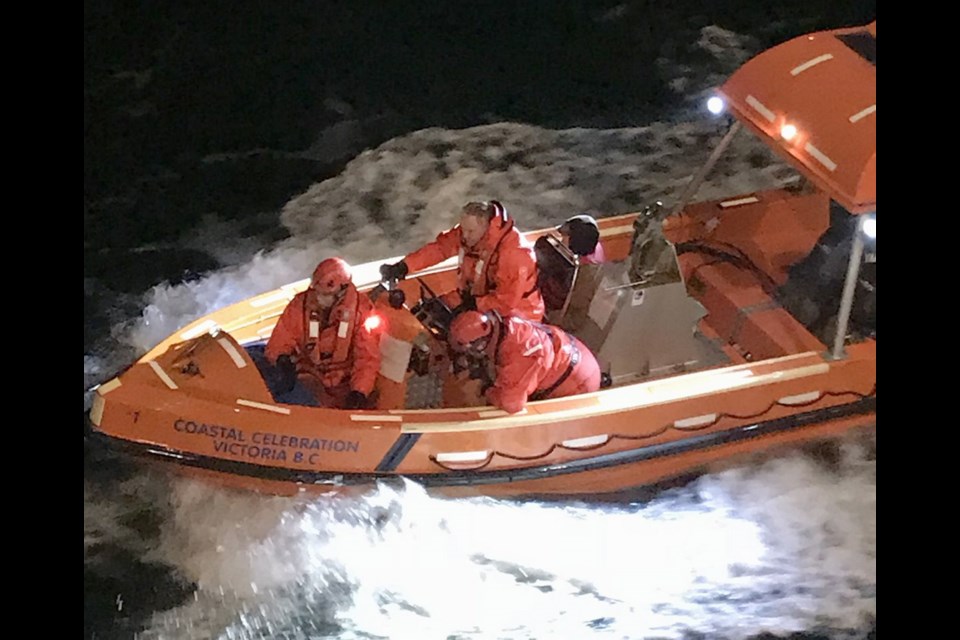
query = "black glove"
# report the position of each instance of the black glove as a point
(285, 375)
(355, 400)
(395, 271)
(467, 302)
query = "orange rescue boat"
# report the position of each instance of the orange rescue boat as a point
(725, 327)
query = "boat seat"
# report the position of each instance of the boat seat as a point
(566, 285)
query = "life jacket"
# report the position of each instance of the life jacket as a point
(563, 364)
(476, 265)
(328, 338)
(566, 357)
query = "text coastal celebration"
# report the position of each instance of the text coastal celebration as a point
(264, 445)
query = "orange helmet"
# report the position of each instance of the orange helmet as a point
(470, 330)
(330, 276)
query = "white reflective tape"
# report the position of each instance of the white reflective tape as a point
(810, 63)
(821, 156)
(107, 387)
(260, 405)
(463, 456)
(589, 441)
(96, 411)
(358, 417)
(698, 421)
(802, 398)
(532, 350)
(167, 380)
(498, 413)
(342, 329)
(232, 352)
(276, 297)
(199, 330)
(761, 108)
(860, 115)
(314, 328)
(615, 231)
(739, 201)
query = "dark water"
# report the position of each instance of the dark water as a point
(232, 108)
(229, 110)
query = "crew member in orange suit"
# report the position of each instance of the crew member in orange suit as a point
(327, 340)
(497, 269)
(525, 360)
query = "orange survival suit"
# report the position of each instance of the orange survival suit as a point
(531, 360)
(335, 352)
(500, 271)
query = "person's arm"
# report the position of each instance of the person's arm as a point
(445, 246)
(366, 356)
(288, 332)
(517, 376)
(516, 274)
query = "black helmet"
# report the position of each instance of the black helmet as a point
(583, 232)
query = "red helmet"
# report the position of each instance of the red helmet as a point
(468, 329)
(330, 276)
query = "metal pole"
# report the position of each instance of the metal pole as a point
(846, 302)
(698, 179)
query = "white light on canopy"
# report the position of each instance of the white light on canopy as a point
(869, 226)
(715, 105)
(788, 132)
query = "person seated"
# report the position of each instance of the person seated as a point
(524, 360)
(326, 341)
(497, 268)
(581, 235)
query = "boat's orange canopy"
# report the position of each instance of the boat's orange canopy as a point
(825, 85)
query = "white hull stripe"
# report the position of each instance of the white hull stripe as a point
(761, 108)
(863, 114)
(463, 456)
(633, 397)
(801, 398)
(276, 297)
(233, 353)
(821, 156)
(107, 387)
(583, 443)
(96, 411)
(260, 405)
(615, 231)
(357, 417)
(199, 330)
(698, 421)
(167, 380)
(810, 63)
(739, 201)
(496, 413)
